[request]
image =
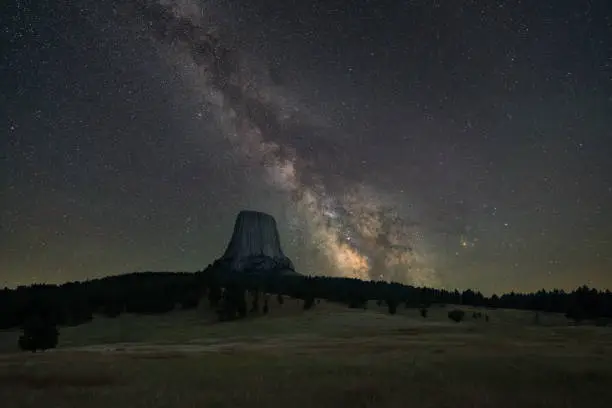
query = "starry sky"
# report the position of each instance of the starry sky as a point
(456, 144)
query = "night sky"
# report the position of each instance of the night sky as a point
(441, 143)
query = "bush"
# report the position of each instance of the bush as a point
(232, 304)
(392, 306)
(38, 334)
(112, 309)
(255, 302)
(190, 300)
(456, 315)
(358, 303)
(536, 318)
(309, 303)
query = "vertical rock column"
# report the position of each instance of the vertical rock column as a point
(255, 246)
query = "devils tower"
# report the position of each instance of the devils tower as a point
(255, 247)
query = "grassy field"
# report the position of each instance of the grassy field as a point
(328, 357)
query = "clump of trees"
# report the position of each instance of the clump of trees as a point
(38, 334)
(233, 304)
(456, 315)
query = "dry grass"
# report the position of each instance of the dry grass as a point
(55, 380)
(329, 358)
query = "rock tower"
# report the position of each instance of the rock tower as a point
(255, 247)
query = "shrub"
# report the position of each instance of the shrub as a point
(255, 302)
(456, 315)
(214, 296)
(241, 304)
(112, 309)
(392, 306)
(536, 318)
(358, 303)
(190, 301)
(309, 302)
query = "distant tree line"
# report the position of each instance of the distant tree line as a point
(76, 303)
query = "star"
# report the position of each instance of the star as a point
(412, 150)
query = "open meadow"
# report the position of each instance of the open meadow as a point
(330, 356)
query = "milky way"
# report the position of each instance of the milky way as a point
(355, 228)
(454, 144)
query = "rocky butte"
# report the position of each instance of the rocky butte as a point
(255, 247)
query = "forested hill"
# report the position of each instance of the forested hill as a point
(75, 303)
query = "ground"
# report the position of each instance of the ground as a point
(328, 357)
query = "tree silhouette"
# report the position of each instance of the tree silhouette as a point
(456, 315)
(392, 306)
(38, 334)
